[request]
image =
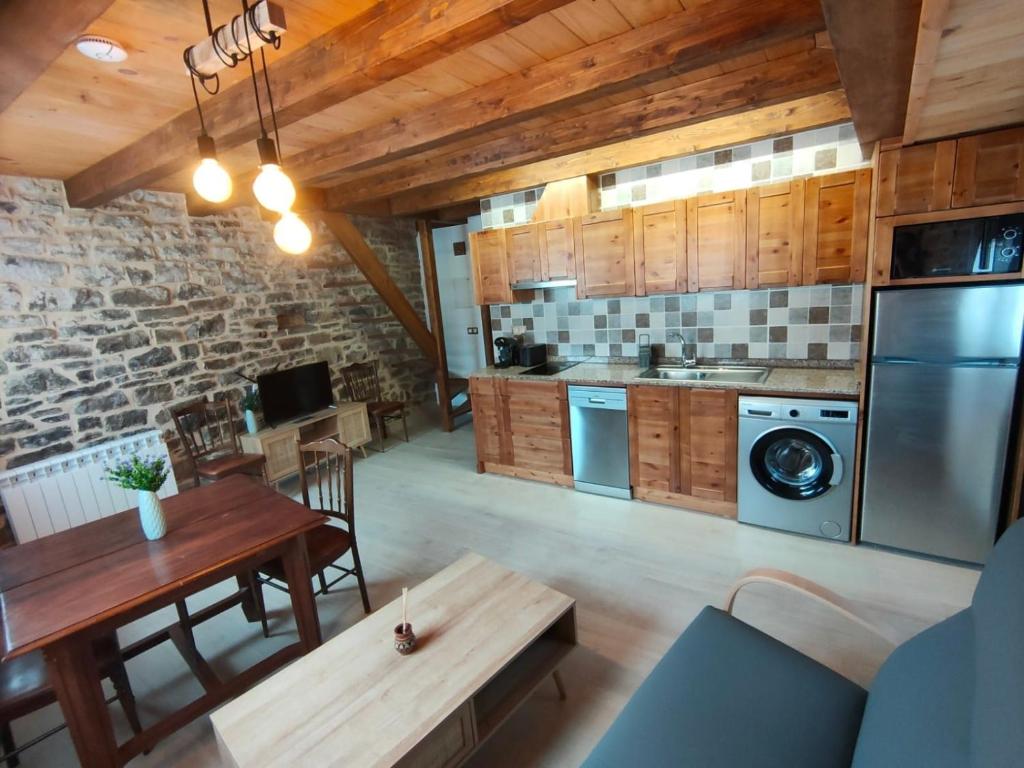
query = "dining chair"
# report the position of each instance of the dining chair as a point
(330, 462)
(25, 688)
(207, 431)
(363, 385)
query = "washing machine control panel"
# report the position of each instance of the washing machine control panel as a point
(798, 410)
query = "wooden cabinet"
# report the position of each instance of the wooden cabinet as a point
(683, 447)
(659, 247)
(557, 250)
(523, 248)
(604, 254)
(538, 428)
(775, 234)
(490, 267)
(522, 428)
(836, 213)
(348, 422)
(716, 241)
(989, 168)
(915, 179)
(488, 422)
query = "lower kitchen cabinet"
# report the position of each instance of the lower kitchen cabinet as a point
(522, 429)
(683, 447)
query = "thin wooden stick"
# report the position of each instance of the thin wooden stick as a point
(405, 601)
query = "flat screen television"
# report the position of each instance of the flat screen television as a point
(295, 392)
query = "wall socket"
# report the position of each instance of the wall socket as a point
(473, 330)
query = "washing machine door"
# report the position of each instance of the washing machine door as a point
(795, 463)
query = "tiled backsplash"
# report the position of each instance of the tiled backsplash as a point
(822, 150)
(819, 322)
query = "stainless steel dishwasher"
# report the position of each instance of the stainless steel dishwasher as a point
(600, 440)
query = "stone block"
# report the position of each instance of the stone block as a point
(138, 276)
(152, 359)
(101, 403)
(153, 394)
(44, 438)
(154, 295)
(34, 382)
(25, 269)
(129, 340)
(31, 457)
(161, 313)
(117, 422)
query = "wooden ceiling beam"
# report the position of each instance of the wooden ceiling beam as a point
(929, 35)
(387, 41)
(785, 79)
(801, 114)
(376, 274)
(874, 47)
(679, 43)
(32, 36)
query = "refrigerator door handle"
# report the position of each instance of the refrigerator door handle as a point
(837, 472)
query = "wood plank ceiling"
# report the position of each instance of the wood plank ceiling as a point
(414, 104)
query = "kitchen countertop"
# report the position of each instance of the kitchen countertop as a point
(798, 381)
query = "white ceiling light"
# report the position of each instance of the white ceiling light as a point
(101, 49)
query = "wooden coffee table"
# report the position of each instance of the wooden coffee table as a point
(487, 636)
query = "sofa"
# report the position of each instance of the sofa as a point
(729, 696)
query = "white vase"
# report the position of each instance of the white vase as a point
(151, 515)
(250, 422)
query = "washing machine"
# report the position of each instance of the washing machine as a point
(795, 468)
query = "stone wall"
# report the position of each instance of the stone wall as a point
(110, 317)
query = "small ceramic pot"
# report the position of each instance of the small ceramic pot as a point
(251, 425)
(151, 515)
(405, 639)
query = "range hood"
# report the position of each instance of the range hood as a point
(526, 285)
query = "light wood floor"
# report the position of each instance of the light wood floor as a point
(639, 572)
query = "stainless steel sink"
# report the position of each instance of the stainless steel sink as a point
(739, 374)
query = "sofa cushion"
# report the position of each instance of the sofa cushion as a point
(919, 708)
(997, 730)
(728, 695)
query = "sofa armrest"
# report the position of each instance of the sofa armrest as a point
(809, 589)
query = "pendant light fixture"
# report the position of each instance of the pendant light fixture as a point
(273, 189)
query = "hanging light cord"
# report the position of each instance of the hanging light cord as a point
(199, 109)
(247, 51)
(273, 112)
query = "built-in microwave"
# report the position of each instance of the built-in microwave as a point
(990, 245)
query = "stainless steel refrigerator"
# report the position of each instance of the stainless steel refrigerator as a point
(944, 368)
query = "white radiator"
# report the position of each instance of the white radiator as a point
(70, 490)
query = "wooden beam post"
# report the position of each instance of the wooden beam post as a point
(32, 36)
(362, 255)
(874, 47)
(929, 34)
(433, 296)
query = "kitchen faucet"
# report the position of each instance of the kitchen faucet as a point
(688, 362)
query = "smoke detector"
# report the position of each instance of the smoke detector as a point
(101, 49)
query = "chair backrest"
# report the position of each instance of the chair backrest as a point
(361, 382)
(330, 463)
(206, 428)
(953, 695)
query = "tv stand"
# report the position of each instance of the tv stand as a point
(347, 422)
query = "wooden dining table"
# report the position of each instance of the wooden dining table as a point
(62, 592)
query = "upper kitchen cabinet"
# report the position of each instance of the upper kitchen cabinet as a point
(659, 244)
(604, 254)
(557, 250)
(716, 241)
(490, 267)
(989, 168)
(775, 234)
(524, 261)
(916, 179)
(836, 209)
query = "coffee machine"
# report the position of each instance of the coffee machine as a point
(508, 351)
